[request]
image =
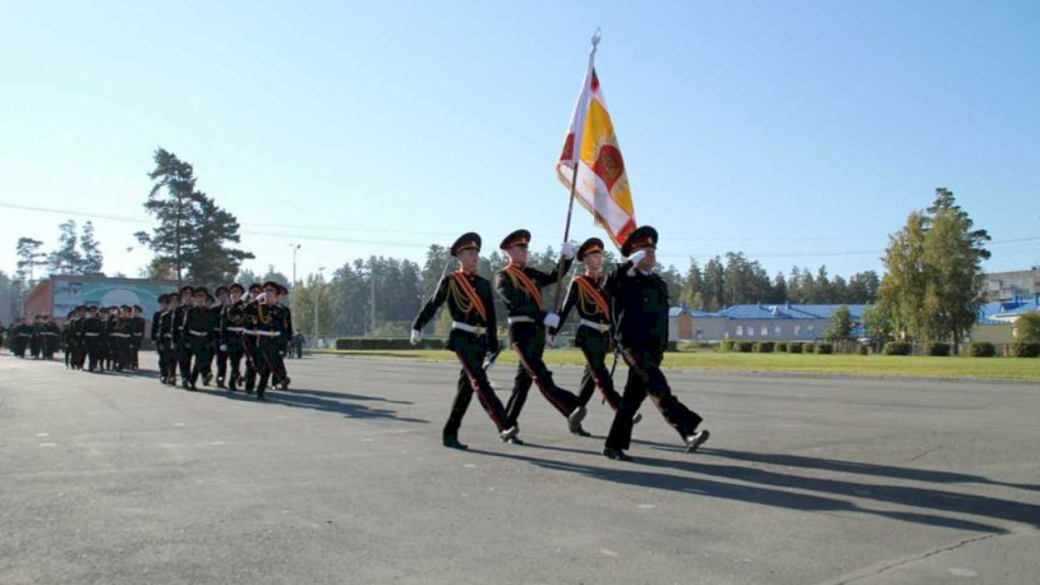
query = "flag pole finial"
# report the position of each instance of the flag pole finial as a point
(596, 36)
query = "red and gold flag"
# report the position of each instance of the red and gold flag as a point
(592, 148)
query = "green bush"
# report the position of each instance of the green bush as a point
(897, 348)
(764, 347)
(384, 343)
(726, 346)
(781, 346)
(1025, 349)
(937, 348)
(808, 347)
(982, 349)
(1027, 328)
(794, 347)
(824, 348)
(745, 346)
(864, 350)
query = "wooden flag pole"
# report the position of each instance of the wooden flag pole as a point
(574, 186)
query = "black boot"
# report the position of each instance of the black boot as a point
(453, 443)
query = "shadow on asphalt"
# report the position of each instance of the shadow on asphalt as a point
(926, 475)
(338, 402)
(773, 489)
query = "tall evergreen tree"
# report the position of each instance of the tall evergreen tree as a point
(693, 285)
(953, 253)
(29, 258)
(66, 259)
(714, 285)
(93, 260)
(193, 232)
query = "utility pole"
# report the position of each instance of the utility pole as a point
(372, 304)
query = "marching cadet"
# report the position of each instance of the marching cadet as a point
(279, 375)
(76, 338)
(171, 338)
(219, 347)
(187, 294)
(36, 340)
(49, 333)
(65, 338)
(121, 339)
(268, 321)
(109, 316)
(231, 333)
(21, 335)
(249, 336)
(593, 335)
(92, 331)
(156, 335)
(137, 328)
(641, 316)
(473, 338)
(196, 336)
(520, 286)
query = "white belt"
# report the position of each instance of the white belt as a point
(520, 319)
(264, 333)
(168, 335)
(120, 335)
(48, 333)
(198, 333)
(601, 327)
(236, 329)
(92, 334)
(475, 330)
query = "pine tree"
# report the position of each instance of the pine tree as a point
(29, 257)
(192, 231)
(92, 258)
(66, 259)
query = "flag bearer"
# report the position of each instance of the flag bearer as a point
(641, 316)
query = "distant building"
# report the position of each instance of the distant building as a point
(59, 295)
(758, 322)
(1007, 286)
(1008, 311)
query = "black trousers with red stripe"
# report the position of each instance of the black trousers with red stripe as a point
(645, 378)
(595, 345)
(470, 351)
(528, 341)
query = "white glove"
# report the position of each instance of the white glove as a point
(223, 348)
(416, 336)
(567, 250)
(552, 321)
(635, 258)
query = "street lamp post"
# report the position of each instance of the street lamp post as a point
(317, 300)
(294, 247)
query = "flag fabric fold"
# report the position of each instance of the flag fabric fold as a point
(592, 148)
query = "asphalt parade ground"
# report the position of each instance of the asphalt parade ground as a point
(117, 479)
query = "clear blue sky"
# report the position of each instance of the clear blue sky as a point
(799, 132)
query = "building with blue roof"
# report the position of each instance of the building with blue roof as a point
(758, 322)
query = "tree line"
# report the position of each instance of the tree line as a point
(931, 291)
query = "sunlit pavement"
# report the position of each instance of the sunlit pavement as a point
(117, 479)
